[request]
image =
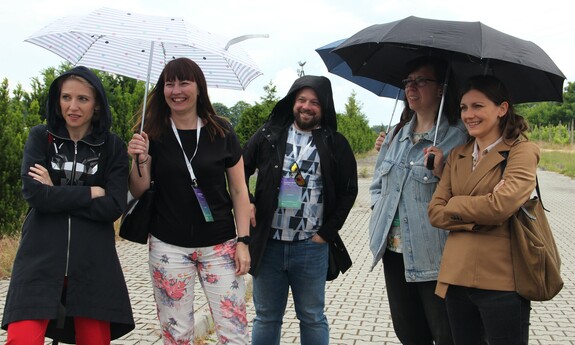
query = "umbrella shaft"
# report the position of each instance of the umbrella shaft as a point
(393, 112)
(147, 86)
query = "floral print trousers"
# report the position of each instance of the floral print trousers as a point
(174, 269)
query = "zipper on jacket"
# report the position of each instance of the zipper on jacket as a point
(74, 162)
(68, 246)
(70, 218)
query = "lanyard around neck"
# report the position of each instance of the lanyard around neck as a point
(303, 151)
(189, 161)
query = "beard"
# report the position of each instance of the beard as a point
(306, 125)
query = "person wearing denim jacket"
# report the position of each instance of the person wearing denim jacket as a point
(399, 230)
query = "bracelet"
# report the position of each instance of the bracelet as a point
(144, 161)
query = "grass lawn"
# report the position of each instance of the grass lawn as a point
(560, 159)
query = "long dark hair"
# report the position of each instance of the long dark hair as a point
(439, 67)
(157, 118)
(512, 125)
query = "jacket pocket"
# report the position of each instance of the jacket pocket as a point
(424, 183)
(383, 173)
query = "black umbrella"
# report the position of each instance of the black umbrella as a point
(382, 51)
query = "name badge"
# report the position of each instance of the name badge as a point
(290, 194)
(203, 203)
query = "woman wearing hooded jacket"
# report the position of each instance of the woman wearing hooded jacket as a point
(67, 282)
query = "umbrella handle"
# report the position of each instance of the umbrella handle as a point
(431, 157)
(243, 38)
(138, 165)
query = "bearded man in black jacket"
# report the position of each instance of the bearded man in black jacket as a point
(306, 186)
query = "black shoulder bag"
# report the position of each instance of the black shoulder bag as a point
(137, 218)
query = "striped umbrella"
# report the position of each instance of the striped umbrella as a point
(138, 46)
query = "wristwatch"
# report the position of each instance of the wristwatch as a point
(244, 239)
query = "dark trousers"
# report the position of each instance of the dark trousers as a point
(419, 316)
(503, 316)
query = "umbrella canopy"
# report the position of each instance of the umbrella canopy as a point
(138, 46)
(382, 51)
(336, 65)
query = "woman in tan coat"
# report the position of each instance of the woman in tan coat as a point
(474, 201)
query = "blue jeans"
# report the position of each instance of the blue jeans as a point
(502, 317)
(302, 266)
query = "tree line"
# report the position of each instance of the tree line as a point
(20, 110)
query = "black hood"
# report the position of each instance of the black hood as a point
(101, 122)
(282, 113)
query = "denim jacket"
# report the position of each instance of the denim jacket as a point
(402, 183)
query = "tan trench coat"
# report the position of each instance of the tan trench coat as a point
(477, 252)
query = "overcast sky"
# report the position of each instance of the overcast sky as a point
(296, 28)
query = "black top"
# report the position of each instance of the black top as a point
(179, 219)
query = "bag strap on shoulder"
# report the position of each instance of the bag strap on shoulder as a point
(505, 154)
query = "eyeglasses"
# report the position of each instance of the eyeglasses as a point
(297, 176)
(417, 82)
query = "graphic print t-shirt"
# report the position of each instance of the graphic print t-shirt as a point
(301, 223)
